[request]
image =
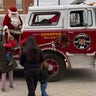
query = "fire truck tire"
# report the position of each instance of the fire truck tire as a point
(57, 64)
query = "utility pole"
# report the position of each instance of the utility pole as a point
(58, 2)
(37, 2)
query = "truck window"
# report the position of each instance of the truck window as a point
(77, 18)
(89, 17)
(95, 16)
(44, 19)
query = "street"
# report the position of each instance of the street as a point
(77, 82)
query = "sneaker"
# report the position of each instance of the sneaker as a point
(3, 89)
(12, 86)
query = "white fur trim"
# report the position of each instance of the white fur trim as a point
(5, 27)
(11, 11)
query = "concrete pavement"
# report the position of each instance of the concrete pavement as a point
(82, 83)
(54, 89)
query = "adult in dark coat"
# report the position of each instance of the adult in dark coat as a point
(4, 67)
(31, 58)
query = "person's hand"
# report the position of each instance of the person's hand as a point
(7, 30)
(21, 32)
(4, 45)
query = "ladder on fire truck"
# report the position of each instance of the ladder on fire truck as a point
(59, 2)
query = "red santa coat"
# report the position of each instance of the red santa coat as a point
(22, 42)
(11, 25)
(8, 22)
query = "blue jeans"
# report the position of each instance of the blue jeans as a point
(43, 89)
(9, 56)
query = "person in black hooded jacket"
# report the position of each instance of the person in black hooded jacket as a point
(31, 58)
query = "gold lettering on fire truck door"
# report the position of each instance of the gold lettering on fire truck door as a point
(50, 35)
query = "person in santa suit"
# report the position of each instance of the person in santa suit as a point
(12, 23)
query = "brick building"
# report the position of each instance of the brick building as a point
(21, 5)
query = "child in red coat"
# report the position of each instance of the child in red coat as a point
(10, 46)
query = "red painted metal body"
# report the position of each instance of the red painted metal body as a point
(44, 36)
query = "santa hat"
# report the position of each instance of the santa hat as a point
(12, 10)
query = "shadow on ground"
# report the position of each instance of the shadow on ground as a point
(76, 75)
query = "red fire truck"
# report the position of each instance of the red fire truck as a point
(65, 33)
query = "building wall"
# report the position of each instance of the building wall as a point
(27, 3)
(8, 3)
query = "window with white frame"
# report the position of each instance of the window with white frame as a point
(1, 4)
(78, 18)
(44, 18)
(19, 4)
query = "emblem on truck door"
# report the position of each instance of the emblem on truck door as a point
(82, 41)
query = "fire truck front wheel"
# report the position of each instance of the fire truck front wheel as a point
(57, 65)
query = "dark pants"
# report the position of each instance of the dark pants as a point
(31, 76)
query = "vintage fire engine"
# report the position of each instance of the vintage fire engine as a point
(65, 33)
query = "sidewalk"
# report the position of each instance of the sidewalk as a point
(62, 88)
(76, 83)
(20, 89)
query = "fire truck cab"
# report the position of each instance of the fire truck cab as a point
(65, 33)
